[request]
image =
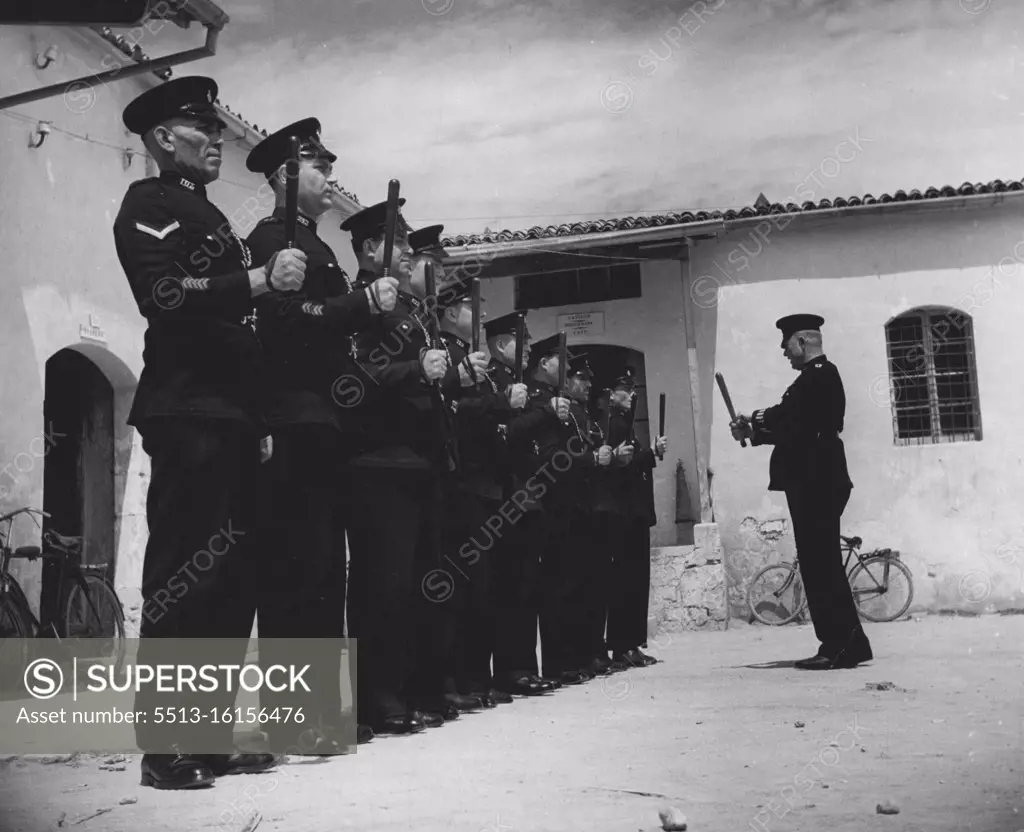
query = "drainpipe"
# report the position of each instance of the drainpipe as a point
(207, 50)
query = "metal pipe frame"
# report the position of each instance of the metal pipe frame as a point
(207, 50)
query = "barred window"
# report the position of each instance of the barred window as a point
(932, 377)
(538, 291)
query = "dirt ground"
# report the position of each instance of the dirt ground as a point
(723, 730)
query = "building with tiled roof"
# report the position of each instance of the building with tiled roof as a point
(921, 292)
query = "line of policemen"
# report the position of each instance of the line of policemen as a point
(297, 407)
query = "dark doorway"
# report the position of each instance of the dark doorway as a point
(608, 359)
(78, 473)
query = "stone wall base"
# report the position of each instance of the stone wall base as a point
(688, 585)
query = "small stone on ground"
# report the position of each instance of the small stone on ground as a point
(672, 819)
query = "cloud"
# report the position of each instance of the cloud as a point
(494, 110)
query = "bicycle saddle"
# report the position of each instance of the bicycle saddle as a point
(63, 541)
(852, 541)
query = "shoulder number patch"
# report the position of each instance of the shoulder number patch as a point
(159, 233)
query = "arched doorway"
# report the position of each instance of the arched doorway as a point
(78, 471)
(608, 359)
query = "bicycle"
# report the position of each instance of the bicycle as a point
(88, 607)
(876, 576)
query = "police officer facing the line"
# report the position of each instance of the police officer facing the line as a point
(198, 407)
(808, 463)
(305, 339)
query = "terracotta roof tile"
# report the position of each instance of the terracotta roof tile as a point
(761, 207)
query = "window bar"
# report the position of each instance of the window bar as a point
(930, 374)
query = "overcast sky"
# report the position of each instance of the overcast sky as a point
(511, 114)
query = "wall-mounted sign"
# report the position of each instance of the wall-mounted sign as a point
(581, 324)
(92, 331)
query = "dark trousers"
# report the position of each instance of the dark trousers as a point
(434, 599)
(564, 621)
(471, 544)
(197, 576)
(517, 595)
(607, 536)
(387, 511)
(302, 592)
(630, 587)
(338, 577)
(816, 517)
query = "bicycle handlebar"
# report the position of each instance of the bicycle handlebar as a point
(24, 510)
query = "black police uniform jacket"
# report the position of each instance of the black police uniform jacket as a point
(306, 334)
(584, 437)
(556, 454)
(523, 484)
(404, 419)
(638, 474)
(615, 490)
(804, 428)
(188, 272)
(482, 415)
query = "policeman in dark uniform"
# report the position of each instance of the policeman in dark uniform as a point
(604, 534)
(629, 522)
(367, 230)
(198, 407)
(473, 502)
(567, 651)
(305, 337)
(405, 448)
(808, 463)
(518, 542)
(433, 688)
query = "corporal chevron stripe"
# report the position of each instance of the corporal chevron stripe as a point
(159, 233)
(313, 308)
(196, 284)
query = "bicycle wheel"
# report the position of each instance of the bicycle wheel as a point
(15, 629)
(776, 594)
(883, 588)
(92, 610)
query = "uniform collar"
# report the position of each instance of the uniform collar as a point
(814, 362)
(279, 212)
(171, 177)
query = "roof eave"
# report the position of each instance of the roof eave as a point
(917, 206)
(685, 231)
(248, 136)
(577, 242)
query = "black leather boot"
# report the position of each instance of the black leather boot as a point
(176, 771)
